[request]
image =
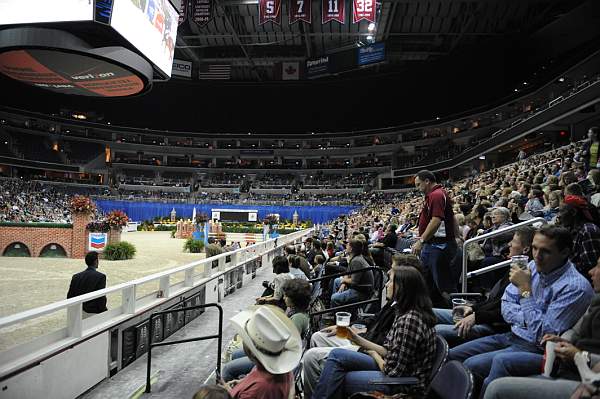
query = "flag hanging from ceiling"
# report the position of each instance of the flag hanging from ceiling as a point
(202, 11)
(364, 9)
(333, 10)
(269, 10)
(300, 10)
(183, 11)
(215, 72)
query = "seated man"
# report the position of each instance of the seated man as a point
(324, 341)
(355, 287)
(273, 344)
(572, 348)
(547, 298)
(484, 318)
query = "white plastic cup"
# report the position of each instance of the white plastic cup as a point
(342, 321)
(549, 357)
(520, 261)
(458, 309)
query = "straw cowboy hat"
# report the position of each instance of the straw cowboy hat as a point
(271, 336)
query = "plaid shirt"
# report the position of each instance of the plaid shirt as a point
(410, 346)
(586, 248)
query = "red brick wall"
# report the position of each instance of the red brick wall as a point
(73, 240)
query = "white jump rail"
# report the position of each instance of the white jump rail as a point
(77, 329)
(490, 235)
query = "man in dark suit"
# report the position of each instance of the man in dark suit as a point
(87, 281)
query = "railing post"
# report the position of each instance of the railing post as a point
(128, 299)
(189, 277)
(165, 286)
(74, 320)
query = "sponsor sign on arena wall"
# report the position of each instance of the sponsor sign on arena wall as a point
(182, 68)
(70, 73)
(371, 54)
(97, 241)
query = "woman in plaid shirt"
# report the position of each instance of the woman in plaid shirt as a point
(408, 350)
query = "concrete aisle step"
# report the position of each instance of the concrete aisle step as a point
(178, 370)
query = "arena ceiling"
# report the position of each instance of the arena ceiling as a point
(443, 57)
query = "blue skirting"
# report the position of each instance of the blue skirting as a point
(140, 211)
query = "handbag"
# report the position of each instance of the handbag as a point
(474, 252)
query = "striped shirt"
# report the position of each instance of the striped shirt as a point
(558, 300)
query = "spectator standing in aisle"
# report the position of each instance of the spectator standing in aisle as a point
(436, 244)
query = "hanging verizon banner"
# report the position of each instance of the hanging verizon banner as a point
(333, 10)
(364, 9)
(183, 11)
(202, 11)
(300, 10)
(269, 10)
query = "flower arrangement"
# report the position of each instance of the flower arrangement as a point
(80, 204)
(116, 219)
(201, 218)
(98, 227)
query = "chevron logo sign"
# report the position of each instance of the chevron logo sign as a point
(97, 241)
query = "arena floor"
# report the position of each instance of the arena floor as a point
(27, 283)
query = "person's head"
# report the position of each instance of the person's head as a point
(524, 188)
(594, 177)
(319, 260)
(424, 181)
(574, 189)
(551, 247)
(500, 215)
(211, 240)
(487, 221)
(294, 261)
(555, 199)
(280, 265)
(223, 242)
(290, 250)
(316, 244)
(271, 340)
(391, 228)
(521, 241)
(401, 259)
(91, 259)
(408, 288)
(330, 246)
(212, 392)
(594, 133)
(355, 247)
(297, 293)
(595, 275)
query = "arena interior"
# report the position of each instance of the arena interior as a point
(300, 199)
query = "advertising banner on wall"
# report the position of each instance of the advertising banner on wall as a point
(182, 68)
(317, 67)
(333, 10)
(97, 241)
(269, 10)
(202, 11)
(371, 54)
(363, 9)
(300, 10)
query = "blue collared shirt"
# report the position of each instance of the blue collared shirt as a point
(558, 299)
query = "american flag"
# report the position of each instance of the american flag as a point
(215, 72)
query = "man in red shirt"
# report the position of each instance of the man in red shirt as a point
(437, 231)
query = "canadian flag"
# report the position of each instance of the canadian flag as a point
(290, 70)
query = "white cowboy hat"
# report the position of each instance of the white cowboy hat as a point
(271, 336)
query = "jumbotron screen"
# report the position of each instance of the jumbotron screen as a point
(37, 11)
(150, 26)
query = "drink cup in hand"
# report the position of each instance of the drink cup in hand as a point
(342, 321)
(549, 357)
(520, 261)
(458, 309)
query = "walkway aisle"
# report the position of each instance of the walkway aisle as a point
(181, 369)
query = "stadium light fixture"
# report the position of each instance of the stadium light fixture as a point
(372, 27)
(561, 79)
(370, 37)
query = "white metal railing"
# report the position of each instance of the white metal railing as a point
(77, 329)
(494, 233)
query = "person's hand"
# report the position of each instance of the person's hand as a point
(464, 326)
(329, 331)
(416, 247)
(520, 278)
(551, 338)
(585, 391)
(566, 350)
(342, 287)
(467, 310)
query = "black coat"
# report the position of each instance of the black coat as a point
(87, 281)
